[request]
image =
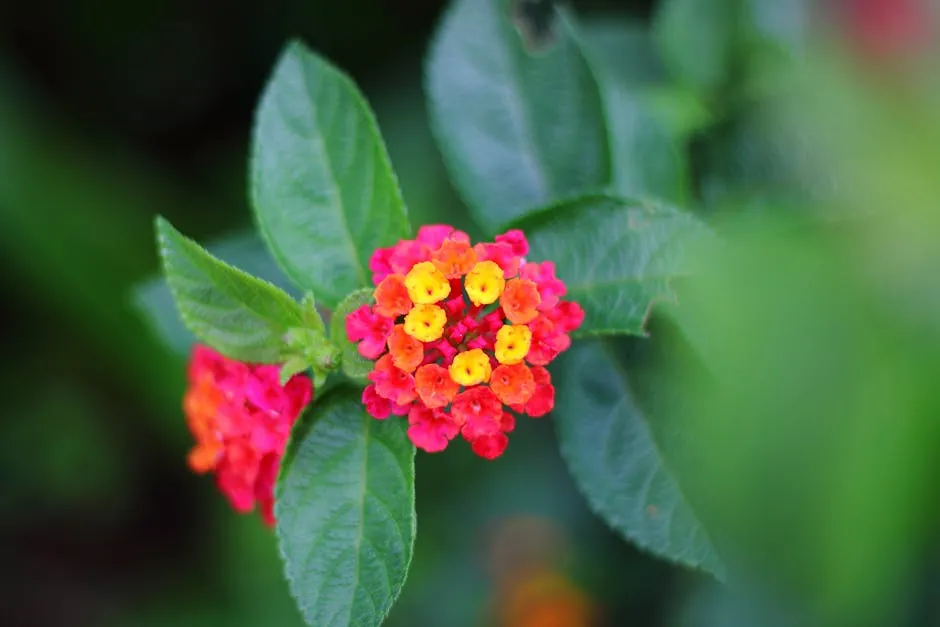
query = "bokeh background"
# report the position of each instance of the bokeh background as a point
(112, 112)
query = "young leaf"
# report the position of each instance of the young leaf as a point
(355, 366)
(611, 450)
(616, 256)
(237, 314)
(515, 109)
(323, 189)
(345, 513)
(154, 302)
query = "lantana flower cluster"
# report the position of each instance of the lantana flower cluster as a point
(241, 417)
(461, 336)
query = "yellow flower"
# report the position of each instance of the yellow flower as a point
(425, 322)
(513, 344)
(426, 284)
(485, 283)
(471, 367)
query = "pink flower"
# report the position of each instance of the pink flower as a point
(380, 264)
(433, 235)
(370, 330)
(431, 429)
(406, 254)
(550, 287)
(501, 254)
(516, 239)
(241, 417)
(392, 383)
(566, 317)
(376, 406)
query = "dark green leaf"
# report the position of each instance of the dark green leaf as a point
(609, 444)
(616, 256)
(355, 365)
(323, 189)
(237, 314)
(646, 156)
(153, 298)
(515, 109)
(623, 47)
(345, 513)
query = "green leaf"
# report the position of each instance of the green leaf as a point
(310, 314)
(152, 298)
(610, 446)
(239, 315)
(616, 256)
(323, 189)
(696, 40)
(646, 156)
(516, 111)
(294, 365)
(345, 513)
(621, 46)
(355, 366)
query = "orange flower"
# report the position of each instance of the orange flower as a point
(201, 404)
(454, 258)
(391, 382)
(391, 297)
(434, 385)
(546, 599)
(407, 352)
(520, 300)
(513, 385)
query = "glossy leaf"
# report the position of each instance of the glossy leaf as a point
(616, 256)
(345, 513)
(323, 189)
(239, 315)
(515, 109)
(609, 443)
(355, 365)
(152, 298)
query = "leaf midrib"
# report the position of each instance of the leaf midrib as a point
(520, 111)
(623, 378)
(328, 166)
(362, 509)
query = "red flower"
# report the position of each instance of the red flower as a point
(480, 325)
(478, 411)
(491, 445)
(431, 429)
(547, 341)
(241, 417)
